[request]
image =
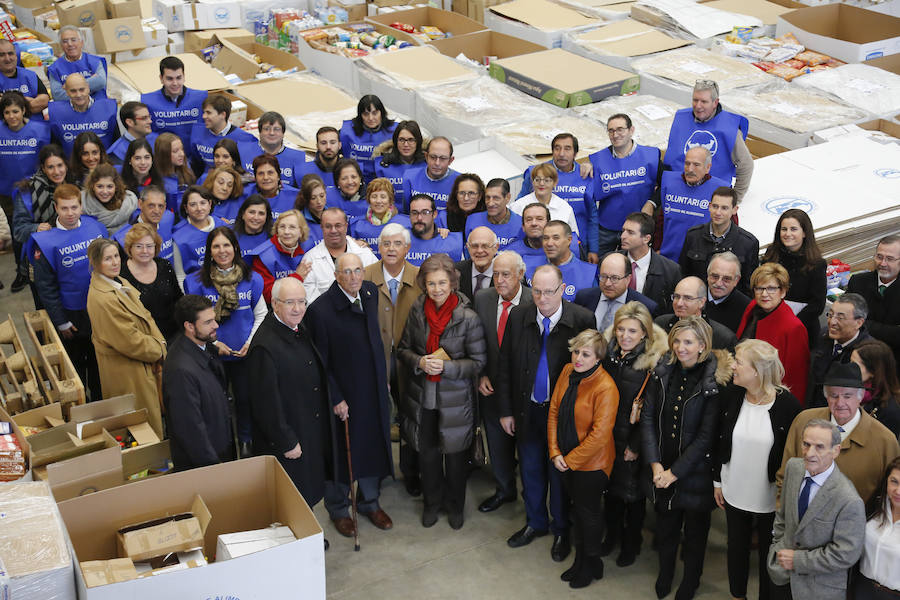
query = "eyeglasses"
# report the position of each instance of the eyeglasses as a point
(724, 278)
(144, 246)
(421, 213)
(406, 140)
(293, 303)
(348, 272)
(617, 131)
(679, 297)
(392, 243)
(469, 194)
(882, 258)
(771, 290)
(546, 293)
(542, 180)
(480, 246)
(437, 158)
(611, 278)
(839, 317)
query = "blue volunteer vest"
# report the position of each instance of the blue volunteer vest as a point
(683, 207)
(717, 134)
(289, 160)
(506, 233)
(164, 230)
(416, 181)
(174, 192)
(66, 124)
(250, 243)
(120, 147)
(315, 230)
(360, 147)
(362, 229)
(19, 152)
(66, 251)
(623, 185)
(87, 65)
(191, 244)
(228, 210)
(235, 329)
(203, 140)
(396, 174)
(278, 263)
(533, 257)
(25, 81)
(572, 188)
(355, 209)
(421, 249)
(310, 167)
(282, 202)
(178, 119)
(577, 275)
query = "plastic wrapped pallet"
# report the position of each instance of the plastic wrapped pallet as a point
(415, 68)
(532, 138)
(687, 65)
(33, 549)
(869, 88)
(651, 116)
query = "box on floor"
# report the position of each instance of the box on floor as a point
(485, 46)
(849, 33)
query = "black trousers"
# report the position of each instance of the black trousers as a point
(585, 490)
(239, 379)
(625, 520)
(740, 531)
(866, 589)
(409, 458)
(502, 451)
(81, 352)
(669, 526)
(443, 475)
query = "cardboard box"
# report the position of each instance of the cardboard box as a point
(180, 532)
(143, 75)
(888, 63)
(104, 572)
(42, 417)
(117, 405)
(446, 21)
(116, 9)
(356, 11)
(133, 423)
(241, 496)
(59, 443)
(538, 21)
(485, 46)
(178, 15)
(239, 58)
(760, 148)
(155, 33)
(233, 545)
(23, 443)
(119, 35)
(80, 13)
(197, 40)
(145, 462)
(562, 78)
(97, 470)
(846, 32)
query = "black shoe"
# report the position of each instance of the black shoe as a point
(413, 486)
(327, 545)
(626, 558)
(494, 502)
(591, 569)
(685, 592)
(570, 573)
(608, 545)
(244, 450)
(523, 537)
(663, 586)
(18, 284)
(560, 549)
(429, 517)
(456, 520)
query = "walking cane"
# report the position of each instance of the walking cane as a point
(352, 491)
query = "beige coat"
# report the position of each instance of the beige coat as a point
(128, 344)
(392, 319)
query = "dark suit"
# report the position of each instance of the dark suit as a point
(591, 297)
(729, 311)
(699, 247)
(722, 337)
(501, 446)
(663, 275)
(465, 278)
(519, 357)
(883, 321)
(820, 360)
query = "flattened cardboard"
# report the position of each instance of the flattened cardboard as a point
(104, 572)
(290, 97)
(582, 81)
(848, 33)
(543, 15)
(101, 409)
(80, 13)
(888, 63)
(630, 38)
(144, 74)
(119, 35)
(446, 21)
(485, 45)
(422, 65)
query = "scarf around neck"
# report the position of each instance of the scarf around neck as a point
(437, 319)
(226, 283)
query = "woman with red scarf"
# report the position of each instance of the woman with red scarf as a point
(443, 347)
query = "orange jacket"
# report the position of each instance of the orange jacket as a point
(595, 415)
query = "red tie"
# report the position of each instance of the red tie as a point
(632, 285)
(501, 326)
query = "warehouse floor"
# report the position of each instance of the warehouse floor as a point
(474, 562)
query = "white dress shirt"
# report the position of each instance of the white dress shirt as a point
(515, 302)
(880, 560)
(848, 427)
(388, 277)
(640, 276)
(321, 274)
(489, 272)
(817, 482)
(560, 210)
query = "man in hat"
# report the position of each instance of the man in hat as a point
(867, 446)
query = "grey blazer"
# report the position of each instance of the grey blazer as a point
(826, 543)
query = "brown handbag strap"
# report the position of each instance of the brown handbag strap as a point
(643, 385)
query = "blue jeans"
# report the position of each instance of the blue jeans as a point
(539, 475)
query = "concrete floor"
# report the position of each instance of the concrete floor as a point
(438, 563)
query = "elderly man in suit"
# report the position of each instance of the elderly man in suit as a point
(615, 290)
(493, 306)
(724, 302)
(535, 348)
(689, 299)
(882, 294)
(820, 525)
(846, 329)
(395, 279)
(476, 273)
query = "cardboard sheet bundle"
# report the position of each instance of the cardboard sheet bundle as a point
(651, 116)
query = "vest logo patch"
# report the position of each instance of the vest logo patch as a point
(888, 173)
(23, 88)
(570, 290)
(287, 172)
(704, 138)
(779, 204)
(68, 261)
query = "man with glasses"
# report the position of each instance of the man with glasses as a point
(688, 300)
(882, 294)
(436, 178)
(615, 290)
(652, 274)
(328, 152)
(626, 176)
(725, 303)
(74, 60)
(846, 322)
(343, 322)
(719, 131)
(135, 117)
(426, 240)
(271, 141)
(497, 217)
(720, 234)
(578, 274)
(476, 273)
(174, 107)
(292, 411)
(322, 257)
(534, 350)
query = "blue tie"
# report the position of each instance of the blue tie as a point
(392, 283)
(803, 500)
(542, 379)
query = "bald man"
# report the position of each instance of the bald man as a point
(80, 113)
(689, 299)
(476, 272)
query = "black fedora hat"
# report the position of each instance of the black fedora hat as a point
(844, 375)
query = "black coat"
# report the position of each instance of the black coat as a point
(349, 341)
(699, 247)
(883, 321)
(198, 414)
(520, 353)
(729, 311)
(663, 275)
(291, 406)
(807, 285)
(821, 359)
(722, 337)
(781, 415)
(465, 279)
(590, 298)
(699, 433)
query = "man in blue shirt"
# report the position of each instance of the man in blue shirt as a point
(497, 217)
(75, 60)
(22, 80)
(215, 125)
(436, 178)
(425, 237)
(80, 113)
(135, 117)
(174, 107)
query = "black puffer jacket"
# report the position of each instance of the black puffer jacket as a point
(629, 372)
(463, 339)
(699, 433)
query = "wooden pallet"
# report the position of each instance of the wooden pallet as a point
(20, 387)
(52, 361)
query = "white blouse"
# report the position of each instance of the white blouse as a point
(745, 478)
(881, 552)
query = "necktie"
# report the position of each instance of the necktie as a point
(358, 304)
(392, 284)
(479, 281)
(610, 313)
(501, 324)
(841, 429)
(836, 351)
(632, 285)
(803, 500)
(881, 289)
(542, 378)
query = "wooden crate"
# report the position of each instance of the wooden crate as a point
(53, 362)
(19, 386)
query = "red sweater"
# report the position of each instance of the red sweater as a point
(783, 329)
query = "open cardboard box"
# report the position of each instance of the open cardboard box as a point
(849, 33)
(485, 46)
(133, 423)
(145, 462)
(59, 443)
(448, 22)
(165, 534)
(197, 40)
(97, 470)
(23, 443)
(888, 63)
(538, 21)
(239, 58)
(241, 496)
(43, 418)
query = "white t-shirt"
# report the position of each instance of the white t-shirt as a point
(745, 478)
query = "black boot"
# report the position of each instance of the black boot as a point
(613, 514)
(631, 534)
(578, 543)
(591, 568)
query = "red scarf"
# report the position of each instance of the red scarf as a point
(437, 321)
